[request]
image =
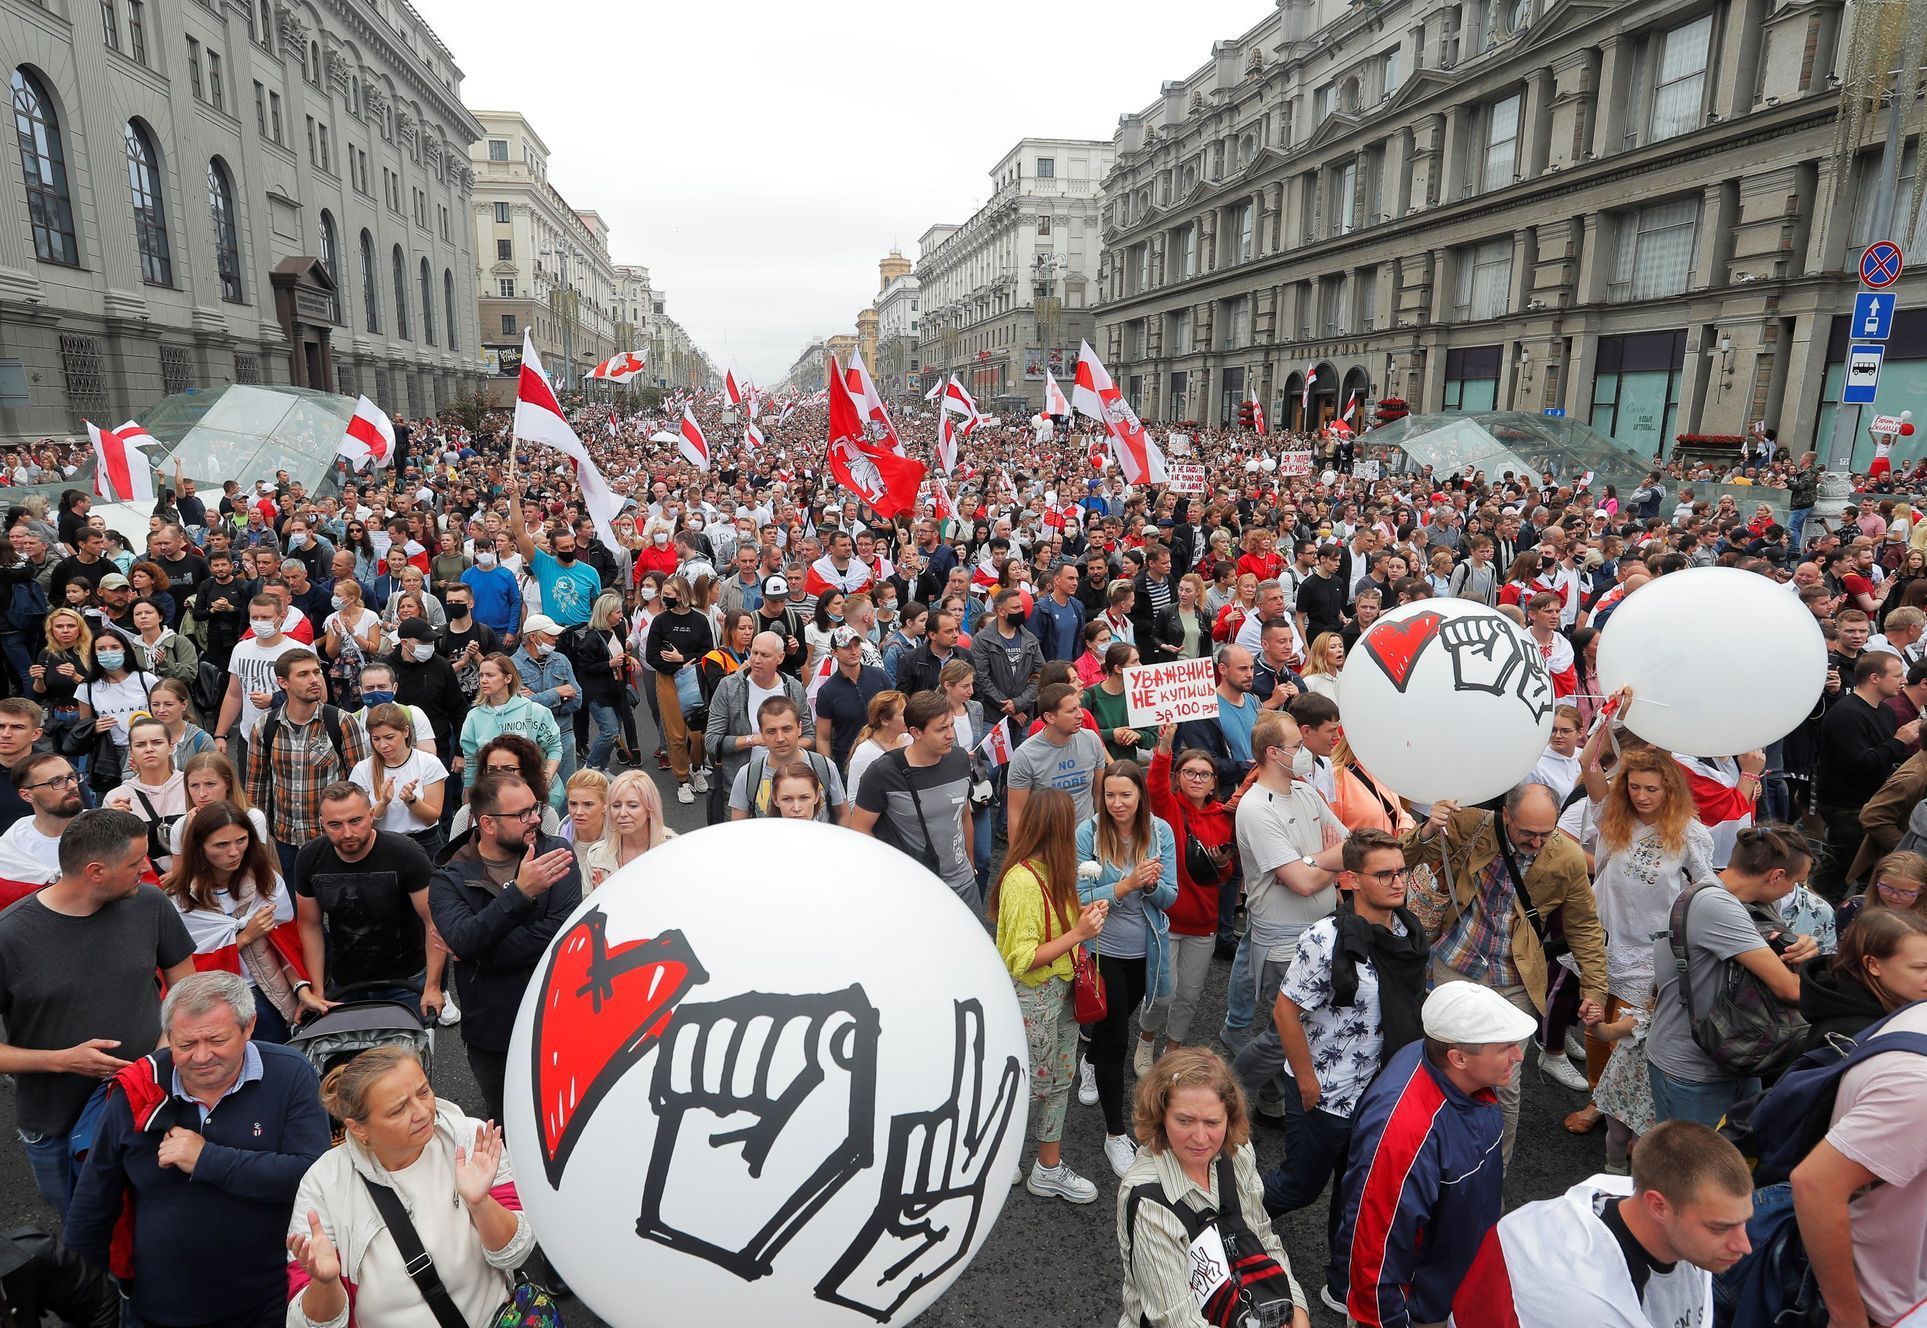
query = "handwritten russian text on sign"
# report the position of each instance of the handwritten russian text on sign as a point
(1187, 478)
(1294, 463)
(1886, 424)
(1176, 691)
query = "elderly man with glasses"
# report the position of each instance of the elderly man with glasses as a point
(1510, 873)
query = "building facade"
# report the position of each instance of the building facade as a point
(545, 266)
(1628, 213)
(216, 192)
(898, 368)
(1011, 291)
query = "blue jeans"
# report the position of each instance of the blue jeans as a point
(1240, 1002)
(1796, 524)
(608, 728)
(269, 1026)
(51, 1161)
(1682, 1099)
(1316, 1146)
(18, 649)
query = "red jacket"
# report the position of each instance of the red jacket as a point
(1195, 913)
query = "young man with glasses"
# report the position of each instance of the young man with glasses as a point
(1349, 1000)
(497, 902)
(1502, 867)
(30, 848)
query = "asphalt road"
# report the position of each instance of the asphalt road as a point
(1042, 1252)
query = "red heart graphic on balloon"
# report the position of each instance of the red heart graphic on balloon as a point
(1396, 646)
(602, 1011)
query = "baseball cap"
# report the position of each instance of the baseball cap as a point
(843, 636)
(775, 587)
(115, 581)
(417, 629)
(1469, 1014)
(541, 622)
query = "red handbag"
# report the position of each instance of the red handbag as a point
(1087, 984)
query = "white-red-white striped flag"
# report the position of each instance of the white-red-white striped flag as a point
(692, 444)
(752, 436)
(123, 472)
(869, 405)
(1054, 402)
(620, 368)
(731, 393)
(370, 436)
(1257, 411)
(539, 419)
(996, 745)
(1139, 459)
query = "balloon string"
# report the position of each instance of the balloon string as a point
(1600, 696)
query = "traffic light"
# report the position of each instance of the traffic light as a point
(1247, 416)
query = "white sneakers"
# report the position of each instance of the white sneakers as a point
(1120, 1151)
(1575, 1043)
(1086, 1084)
(1061, 1182)
(451, 1013)
(1143, 1056)
(1562, 1072)
(685, 794)
(699, 778)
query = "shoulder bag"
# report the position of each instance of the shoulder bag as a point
(529, 1305)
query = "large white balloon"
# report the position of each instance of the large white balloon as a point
(1720, 661)
(1445, 698)
(771, 1072)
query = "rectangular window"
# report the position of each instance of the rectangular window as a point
(443, 213)
(1501, 157)
(312, 158)
(1046, 168)
(1190, 268)
(1366, 311)
(1345, 206)
(1331, 305)
(508, 325)
(1867, 225)
(1391, 71)
(501, 214)
(1485, 281)
(1321, 104)
(505, 287)
(327, 159)
(216, 89)
(498, 149)
(260, 109)
(1177, 333)
(274, 118)
(1655, 251)
(1679, 82)
(137, 31)
(194, 69)
(1247, 237)
(110, 21)
(1043, 227)
(504, 250)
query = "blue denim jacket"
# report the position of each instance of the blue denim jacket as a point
(1159, 972)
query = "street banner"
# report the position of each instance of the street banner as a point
(1187, 478)
(1176, 691)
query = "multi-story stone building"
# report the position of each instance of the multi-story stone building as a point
(1010, 291)
(899, 366)
(545, 266)
(253, 191)
(807, 371)
(1626, 212)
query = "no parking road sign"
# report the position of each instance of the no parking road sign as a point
(1880, 265)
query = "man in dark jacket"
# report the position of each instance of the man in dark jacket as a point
(423, 678)
(922, 667)
(211, 1135)
(1156, 592)
(498, 901)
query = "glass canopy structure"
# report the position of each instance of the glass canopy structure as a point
(246, 432)
(1499, 441)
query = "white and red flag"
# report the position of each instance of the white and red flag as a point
(869, 468)
(996, 745)
(870, 406)
(1351, 406)
(620, 368)
(731, 393)
(1139, 459)
(692, 444)
(1304, 399)
(122, 470)
(539, 419)
(1257, 411)
(947, 434)
(370, 436)
(752, 437)
(1054, 402)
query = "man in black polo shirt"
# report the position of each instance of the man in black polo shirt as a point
(185, 568)
(1322, 597)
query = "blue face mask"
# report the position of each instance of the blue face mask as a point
(376, 698)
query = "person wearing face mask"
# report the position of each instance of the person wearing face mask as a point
(678, 637)
(548, 679)
(569, 586)
(465, 640)
(498, 599)
(658, 552)
(251, 681)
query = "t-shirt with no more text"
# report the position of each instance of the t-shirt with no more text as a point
(943, 791)
(1275, 829)
(368, 916)
(568, 590)
(1718, 928)
(1073, 767)
(1876, 1123)
(252, 665)
(1345, 1040)
(50, 1002)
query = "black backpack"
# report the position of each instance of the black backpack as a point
(332, 722)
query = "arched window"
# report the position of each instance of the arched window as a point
(331, 260)
(448, 308)
(50, 209)
(150, 214)
(401, 296)
(370, 303)
(428, 305)
(227, 244)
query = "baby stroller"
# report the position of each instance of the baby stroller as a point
(352, 1027)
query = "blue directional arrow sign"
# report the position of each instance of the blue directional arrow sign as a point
(1863, 375)
(1873, 316)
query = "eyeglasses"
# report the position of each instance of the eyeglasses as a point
(1385, 877)
(57, 781)
(1198, 776)
(1890, 892)
(1532, 836)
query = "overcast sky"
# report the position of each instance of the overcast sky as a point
(760, 158)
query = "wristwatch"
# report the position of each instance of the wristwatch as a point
(1310, 861)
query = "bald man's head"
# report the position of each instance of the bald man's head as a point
(765, 655)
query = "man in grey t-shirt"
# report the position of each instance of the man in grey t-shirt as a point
(922, 795)
(1767, 861)
(1063, 755)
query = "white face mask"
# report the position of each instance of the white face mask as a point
(540, 651)
(648, 593)
(662, 538)
(485, 559)
(337, 601)
(423, 651)
(263, 627)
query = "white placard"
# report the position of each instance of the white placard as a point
(1365, 470)
(1885, 424)
(1180, 444)
(1187, 478)
(1294, 463)
(1176, 691)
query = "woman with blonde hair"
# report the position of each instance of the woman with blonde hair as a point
(1898, 880)
(210, 778)
(1243, 604)
(885, 732)
(1197, 1159)
(66, 658)
(1323, 662)
(446, 1170)
(632, 825)
(406, 785)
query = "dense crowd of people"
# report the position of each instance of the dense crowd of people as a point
(377, 740)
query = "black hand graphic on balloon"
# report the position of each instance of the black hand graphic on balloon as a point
(771, 1077)
(1484, 653)
(934, 1183)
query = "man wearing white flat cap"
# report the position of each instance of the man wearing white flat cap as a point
(1423, 1183)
